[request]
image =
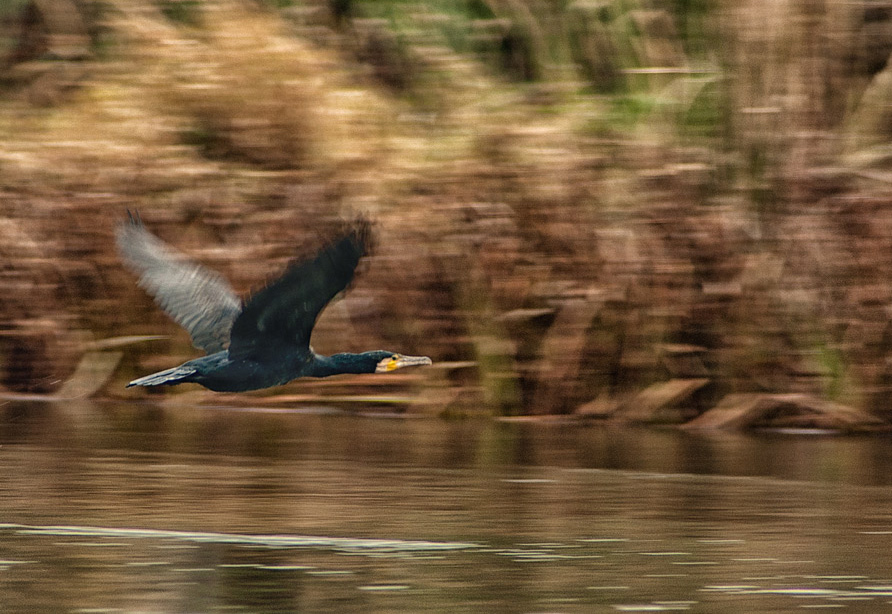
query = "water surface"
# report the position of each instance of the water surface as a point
(138, 508)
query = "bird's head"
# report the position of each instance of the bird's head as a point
(378, 361)
(385, 361)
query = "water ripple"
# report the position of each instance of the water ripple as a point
(270, 541)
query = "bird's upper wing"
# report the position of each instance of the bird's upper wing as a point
(285, 311)
(196, 298)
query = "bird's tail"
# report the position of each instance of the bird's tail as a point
(168, 377)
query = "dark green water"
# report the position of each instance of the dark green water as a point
(115, 508)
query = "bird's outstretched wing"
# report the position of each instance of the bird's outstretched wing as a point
(285, 311)
(196, 298)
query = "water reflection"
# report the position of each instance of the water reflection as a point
(141, 508)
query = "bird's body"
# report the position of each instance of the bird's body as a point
(218, 372)
(264, 342)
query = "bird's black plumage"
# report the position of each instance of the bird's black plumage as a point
(286, 310)
(265, 341)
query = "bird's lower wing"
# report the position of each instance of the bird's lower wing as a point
(196, 298)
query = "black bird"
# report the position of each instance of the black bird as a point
(264, 341)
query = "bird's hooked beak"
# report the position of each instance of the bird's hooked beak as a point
(398, 361)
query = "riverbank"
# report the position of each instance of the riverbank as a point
(578, 206)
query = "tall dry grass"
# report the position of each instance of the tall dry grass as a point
(577, 202)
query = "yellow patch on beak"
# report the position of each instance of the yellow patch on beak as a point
(398, 361)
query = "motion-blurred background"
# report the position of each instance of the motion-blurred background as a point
(576, 202)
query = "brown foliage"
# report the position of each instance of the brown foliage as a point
(728, 225)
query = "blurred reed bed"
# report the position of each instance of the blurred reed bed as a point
(620, 208)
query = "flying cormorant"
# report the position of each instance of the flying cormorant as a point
(264, 341)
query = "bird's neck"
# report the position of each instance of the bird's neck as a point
(336, 364)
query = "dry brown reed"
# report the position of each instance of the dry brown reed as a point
(576, 203)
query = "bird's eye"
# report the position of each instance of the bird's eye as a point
(395, 357)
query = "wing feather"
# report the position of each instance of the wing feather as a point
(285, 311)
(196, 298)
